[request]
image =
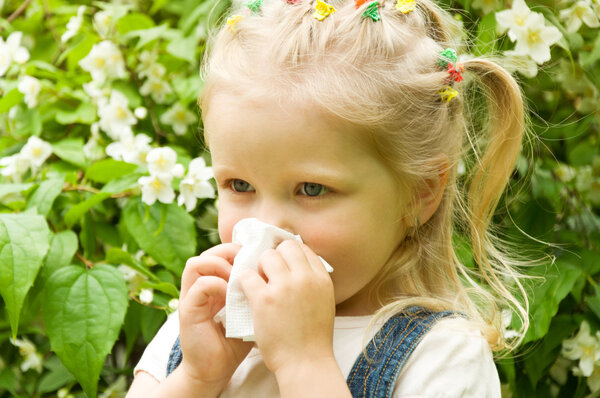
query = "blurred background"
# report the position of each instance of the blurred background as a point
(105, 186)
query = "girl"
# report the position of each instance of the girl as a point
(345, 123)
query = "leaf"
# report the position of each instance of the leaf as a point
(70, 150)
(486, 35)
(594, 301)
(559, 279)
(83, 313)
(57, 377)
(43, 197)
(84, 113)
(134, 21)
(28, 122)
(174, 243)
(122, 184)
(23, 245)
(63, 246)
(10, 99)
(184, 48)
(149, 35)
(7, 189)
(164, 287)
(75, 212)
(108, 169)
(118, 256)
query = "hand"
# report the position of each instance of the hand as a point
(209, 358)
(293, 306)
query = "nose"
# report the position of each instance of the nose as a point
(275, 213)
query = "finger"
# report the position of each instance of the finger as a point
(315, 261)
(228, 251)
(251, 284)
(294, 256)
(204, 299)
(272, 266)
(200, 266)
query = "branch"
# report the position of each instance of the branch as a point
(17, 12)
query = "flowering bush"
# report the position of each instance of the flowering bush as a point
(105, 189)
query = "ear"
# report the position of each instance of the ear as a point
(429, 195)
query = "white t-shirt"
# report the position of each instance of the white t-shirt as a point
(453, 360)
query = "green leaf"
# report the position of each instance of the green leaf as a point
(594, 301)
(70, 150)
(62, 249)
(78, 51)
(486, 35)
(184, 48)
(7, 189)
(57, 377)
(84, 113)
(122, 184)
(43, 197)
(170, 245)
(134, 21)
(582, 154)
(118, 256)
(28, 122)
(149, 35)
(558, 280)
(10, 99)
(83, 312)
(23, 245)
(75, 212)
(87, 236)
(108, 169)
(164, 287)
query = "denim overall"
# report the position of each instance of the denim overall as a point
(374, 375)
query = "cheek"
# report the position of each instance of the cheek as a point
(227, 220)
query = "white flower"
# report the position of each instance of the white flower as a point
(96, 92)
(565, 173)
(103, 22)
(30, 87)
(173, 304)
(104, 61)
(155, 187)
(154, 71)
(31, 358)
(520, 63)
(64, 393)
(580, 12)
(162, 161)
(146, 296)
(73, 25)
(36, 151)
(158, 89)
(584, 347)
(140, 112)
(131, 149)
(18, 53)
(5, 57)
(147, 59)
(116, 118)
(513, 20)
(535, 38)
(14, 166)
(179, 117)
(196, 184)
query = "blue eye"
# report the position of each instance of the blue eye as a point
(312, 189)
(241, 186)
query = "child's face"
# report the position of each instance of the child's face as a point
(292, 168)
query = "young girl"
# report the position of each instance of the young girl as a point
(345, 123)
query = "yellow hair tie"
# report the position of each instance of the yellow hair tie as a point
(405, 6)
(447, 93)
(323, 10)
(232, 21)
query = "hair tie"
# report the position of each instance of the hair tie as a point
(232, 22)
(372, 12)
(254, 5)
(455, 71)
(323, 10)
(446, 56)
(448, 93)
(405, 6)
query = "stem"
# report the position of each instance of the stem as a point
(17, 12)
(88, 263)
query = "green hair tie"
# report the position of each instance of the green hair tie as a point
(446, 56)
(254, 5)
(372, 12)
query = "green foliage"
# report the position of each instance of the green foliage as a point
(81, 237)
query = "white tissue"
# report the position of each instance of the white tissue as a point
(255, 237)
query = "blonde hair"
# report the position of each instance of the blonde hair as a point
(383, 77)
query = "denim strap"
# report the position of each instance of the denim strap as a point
(374, 375)
(174, 357)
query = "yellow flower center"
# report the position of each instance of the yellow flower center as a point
(520, 20)
(120, 113)
(162, 162)
(37, 151)
(157, 185)
(99, 62)
(534, 37)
